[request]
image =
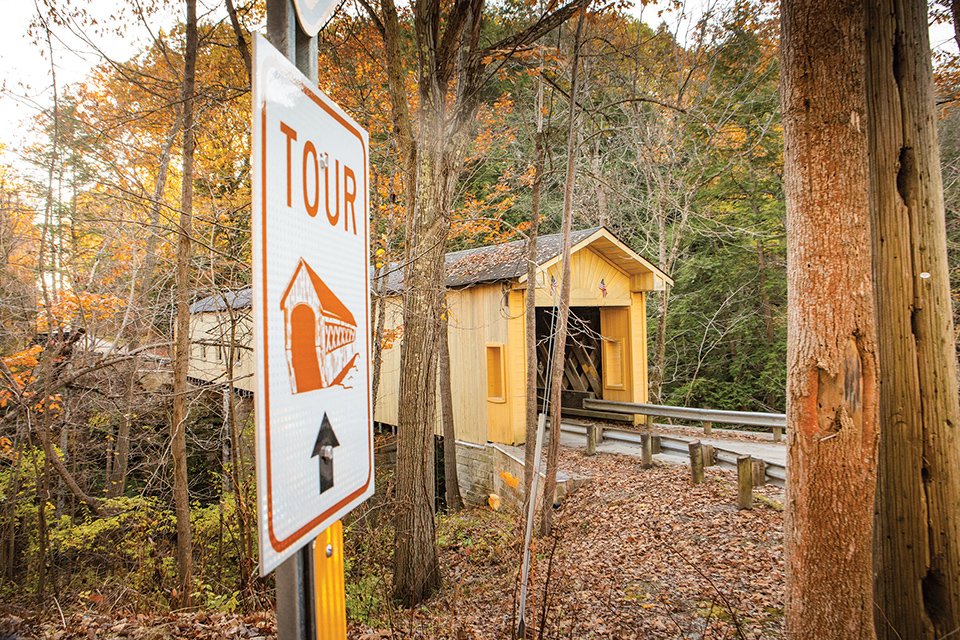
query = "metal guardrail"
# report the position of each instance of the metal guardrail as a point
(748, 418)
(776, 473)
(775, 421)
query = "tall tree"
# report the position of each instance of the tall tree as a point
(178, 424)
(917, 587)
(832, 372)
(452, 68)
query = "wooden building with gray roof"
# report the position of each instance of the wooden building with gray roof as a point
(486, 291)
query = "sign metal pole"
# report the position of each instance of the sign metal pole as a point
(295, 590)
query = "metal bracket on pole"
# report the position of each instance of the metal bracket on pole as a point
(295, 597)
(284, 32)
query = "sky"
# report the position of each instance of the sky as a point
(25, 64)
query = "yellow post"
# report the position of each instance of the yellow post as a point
(331, 605)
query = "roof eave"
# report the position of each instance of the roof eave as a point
(645, 278)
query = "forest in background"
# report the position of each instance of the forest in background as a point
(679, 153)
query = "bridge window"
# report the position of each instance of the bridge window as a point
(613, 364)
(495, 373)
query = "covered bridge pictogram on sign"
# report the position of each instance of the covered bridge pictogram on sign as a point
(320, 332)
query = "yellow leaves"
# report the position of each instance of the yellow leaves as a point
(494, 501)
(511, 481)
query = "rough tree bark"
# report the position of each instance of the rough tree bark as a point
(917, 589)
(831, 345)
(178, 424)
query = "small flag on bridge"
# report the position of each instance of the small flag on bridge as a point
(603, 287)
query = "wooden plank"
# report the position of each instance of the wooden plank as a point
(646, 448)
(517, 367)
(574, 399)
(589, 368)
(696, 462)
(744, 482)
(572, 377)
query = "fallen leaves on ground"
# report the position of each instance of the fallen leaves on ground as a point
(640, 554)
(91, 626)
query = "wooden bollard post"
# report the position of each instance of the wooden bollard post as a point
(591, 439)
(646, 446)
(759, 472)
(655, 444)
(777, 434)
(707, 428)
(744, 482)
(696, 462)
(709, 455)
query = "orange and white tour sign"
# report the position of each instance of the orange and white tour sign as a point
(310, 304)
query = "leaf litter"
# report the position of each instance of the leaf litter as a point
(639, 554)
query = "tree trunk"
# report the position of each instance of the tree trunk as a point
(831, 345)
(416, 566)
(380, 278)
(241, 38)
(529, 452)
(560, 340)
(178, 441)
(451, 479)
(432, 165)
(917, 589)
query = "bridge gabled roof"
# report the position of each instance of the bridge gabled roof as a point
(508, 261)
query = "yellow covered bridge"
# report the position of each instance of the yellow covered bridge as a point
(486, 291)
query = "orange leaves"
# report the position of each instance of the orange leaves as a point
(390, 337)
(21, 366)
(24, 360)
(72, 308)
(53, 404)
(493, 131)
(6, 449)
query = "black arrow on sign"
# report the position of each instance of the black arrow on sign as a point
(323, 447)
